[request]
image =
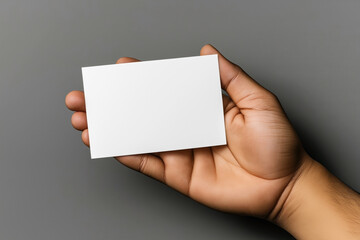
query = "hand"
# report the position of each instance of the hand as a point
(248, 175)
(263, 171)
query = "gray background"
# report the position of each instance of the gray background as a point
(307, 52)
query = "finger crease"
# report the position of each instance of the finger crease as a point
(143, 162)
(191, 173)
(232, 79)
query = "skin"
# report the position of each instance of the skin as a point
(262, 171)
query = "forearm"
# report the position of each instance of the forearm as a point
(320, 206)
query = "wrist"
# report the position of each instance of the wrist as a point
(317, 205)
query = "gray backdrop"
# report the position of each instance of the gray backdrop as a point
(307, 52)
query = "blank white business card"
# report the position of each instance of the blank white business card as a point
(154, 106)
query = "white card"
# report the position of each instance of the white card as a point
(154, 106)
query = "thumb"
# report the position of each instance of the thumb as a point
(245, 92)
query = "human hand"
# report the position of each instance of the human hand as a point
(250, 174)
